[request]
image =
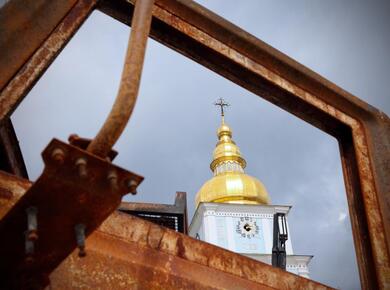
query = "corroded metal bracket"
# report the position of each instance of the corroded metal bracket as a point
(75, 188)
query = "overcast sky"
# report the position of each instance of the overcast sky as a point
(172, 133)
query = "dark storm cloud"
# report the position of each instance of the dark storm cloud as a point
(171, 135)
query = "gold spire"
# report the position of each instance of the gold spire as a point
(226, 149)
(230, 184)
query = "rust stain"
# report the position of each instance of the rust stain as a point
(134, 230)
(23, 81)
(151, 244)
(374, 218)
(11, 190)
(23, 28)
(114, 260)
(130, 252)
(282, 72)
(56, 198)
(130, 80)
(5, 194)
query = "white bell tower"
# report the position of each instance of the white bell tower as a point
(245, 229)
(234, 211)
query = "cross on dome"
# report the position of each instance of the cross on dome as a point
(230, 183)
(221, 103)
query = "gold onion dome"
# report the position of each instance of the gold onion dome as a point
(230, 184)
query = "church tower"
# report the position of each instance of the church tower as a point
(234, 210)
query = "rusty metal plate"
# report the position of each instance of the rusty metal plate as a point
(74, 188)
(83, 143)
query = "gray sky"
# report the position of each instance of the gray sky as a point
(171, 135)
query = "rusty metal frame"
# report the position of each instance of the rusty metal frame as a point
(11, 158)
(130, 252)
(362, 131)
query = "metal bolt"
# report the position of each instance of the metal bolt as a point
(28, 248)
(132, 185)
(80, 239)
(73, 137)
(113, 179)
(58, 155)
(81, 165)
(32, 223)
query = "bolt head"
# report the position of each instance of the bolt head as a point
(32, 235)
(29, 259)
(58, 156)
(132, 186)
(82, 252)
(81, 164)
(113, 179)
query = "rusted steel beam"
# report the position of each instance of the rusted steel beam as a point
(357, 211)
(12, 188)
(130, 80)
(32, 34)
(24, 25)
(11, 158)
(219, 45)
(117, 264)
(129, 252)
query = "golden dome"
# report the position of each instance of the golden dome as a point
(230, 184)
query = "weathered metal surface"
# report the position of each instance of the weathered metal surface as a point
(129, 253)
(28, 45)
(83, 143)
(130, 80)
(226, 49)
(113, 263)
(11, 159)
(158, 238)
(12, 188)
(356, 211)
(24, 25)
(74, 188)
(363, 132)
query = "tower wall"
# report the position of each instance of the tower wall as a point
(226, 225)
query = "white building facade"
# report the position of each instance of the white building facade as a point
(245, 229)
